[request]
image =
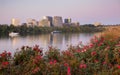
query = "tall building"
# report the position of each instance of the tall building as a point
(15, 22)
(49, 18)
(67, 20)
(44, 23)
(75, 24)
(97, 23)
(57, 21)
(31, 22)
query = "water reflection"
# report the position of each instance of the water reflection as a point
(58, 40)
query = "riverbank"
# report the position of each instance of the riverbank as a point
(100, 57)
(24, 30)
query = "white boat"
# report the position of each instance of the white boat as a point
(56, 32)
(12, 34)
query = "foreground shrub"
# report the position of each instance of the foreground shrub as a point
(99, 57)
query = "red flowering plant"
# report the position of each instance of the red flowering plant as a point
(100, 57)
(29, 57)
(52, 54)
(5, 58)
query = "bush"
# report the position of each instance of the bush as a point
(99, 57)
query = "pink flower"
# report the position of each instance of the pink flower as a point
(78, 51)
(100, 43)
(38, 57)
(95, 40)
(91, 45)
(3, 54)
(118, 66)
(68, 71)
(104, 62)
(117, 45)
(36, 60)
(66, 64)
(36, 48)
(5, 64)
(82, 66)
(36, 70)
(93, 53)
(96, 61)
(50, 62)
(9, 53)
(53, 62)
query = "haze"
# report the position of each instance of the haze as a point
(83, 11)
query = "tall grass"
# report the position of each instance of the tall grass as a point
(111, 33)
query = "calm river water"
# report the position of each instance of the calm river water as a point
(59, 40)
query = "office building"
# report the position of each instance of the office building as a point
(50, 19)
(57, 21)
(97, 23)
(31, 22)
(67, 20)
(15, 22)
(44, 23)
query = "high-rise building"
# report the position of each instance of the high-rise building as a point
(57, 21)
(97, 23)
(31, 22)
(75, 24)
(49, 18)
(15, 22)
(44, 23)
(67, 20)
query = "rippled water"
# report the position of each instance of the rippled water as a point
(59, 40)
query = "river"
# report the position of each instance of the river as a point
(58, 40)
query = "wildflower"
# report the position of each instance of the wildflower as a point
(36, 48)
(82, 66)
(95, 40)
(68, 71)
(50, 62)
(100, 43)
(9, 53)
(37, 59)
(93, 53)
(36, 70)
(91, 45)
(104, 62)
(96, 61)
(4, 54)
(118, 45)
(78, 51)
(5, 64)
(65, 64)
(118, 66)
(53, 62)
(102, 39)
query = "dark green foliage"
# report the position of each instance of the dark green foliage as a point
(24, 29)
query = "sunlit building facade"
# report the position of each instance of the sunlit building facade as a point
(97, 23)
(44, 23)
(15, 22)
(49, 18)
(31, 22)
(57, 21)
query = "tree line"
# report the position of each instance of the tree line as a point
(24, 29)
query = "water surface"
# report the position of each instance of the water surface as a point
(59, 40)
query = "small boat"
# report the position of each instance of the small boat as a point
(56, 32)
(12, 34)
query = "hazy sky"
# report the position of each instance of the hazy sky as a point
(84, 11)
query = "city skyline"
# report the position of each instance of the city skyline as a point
(85, 12)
